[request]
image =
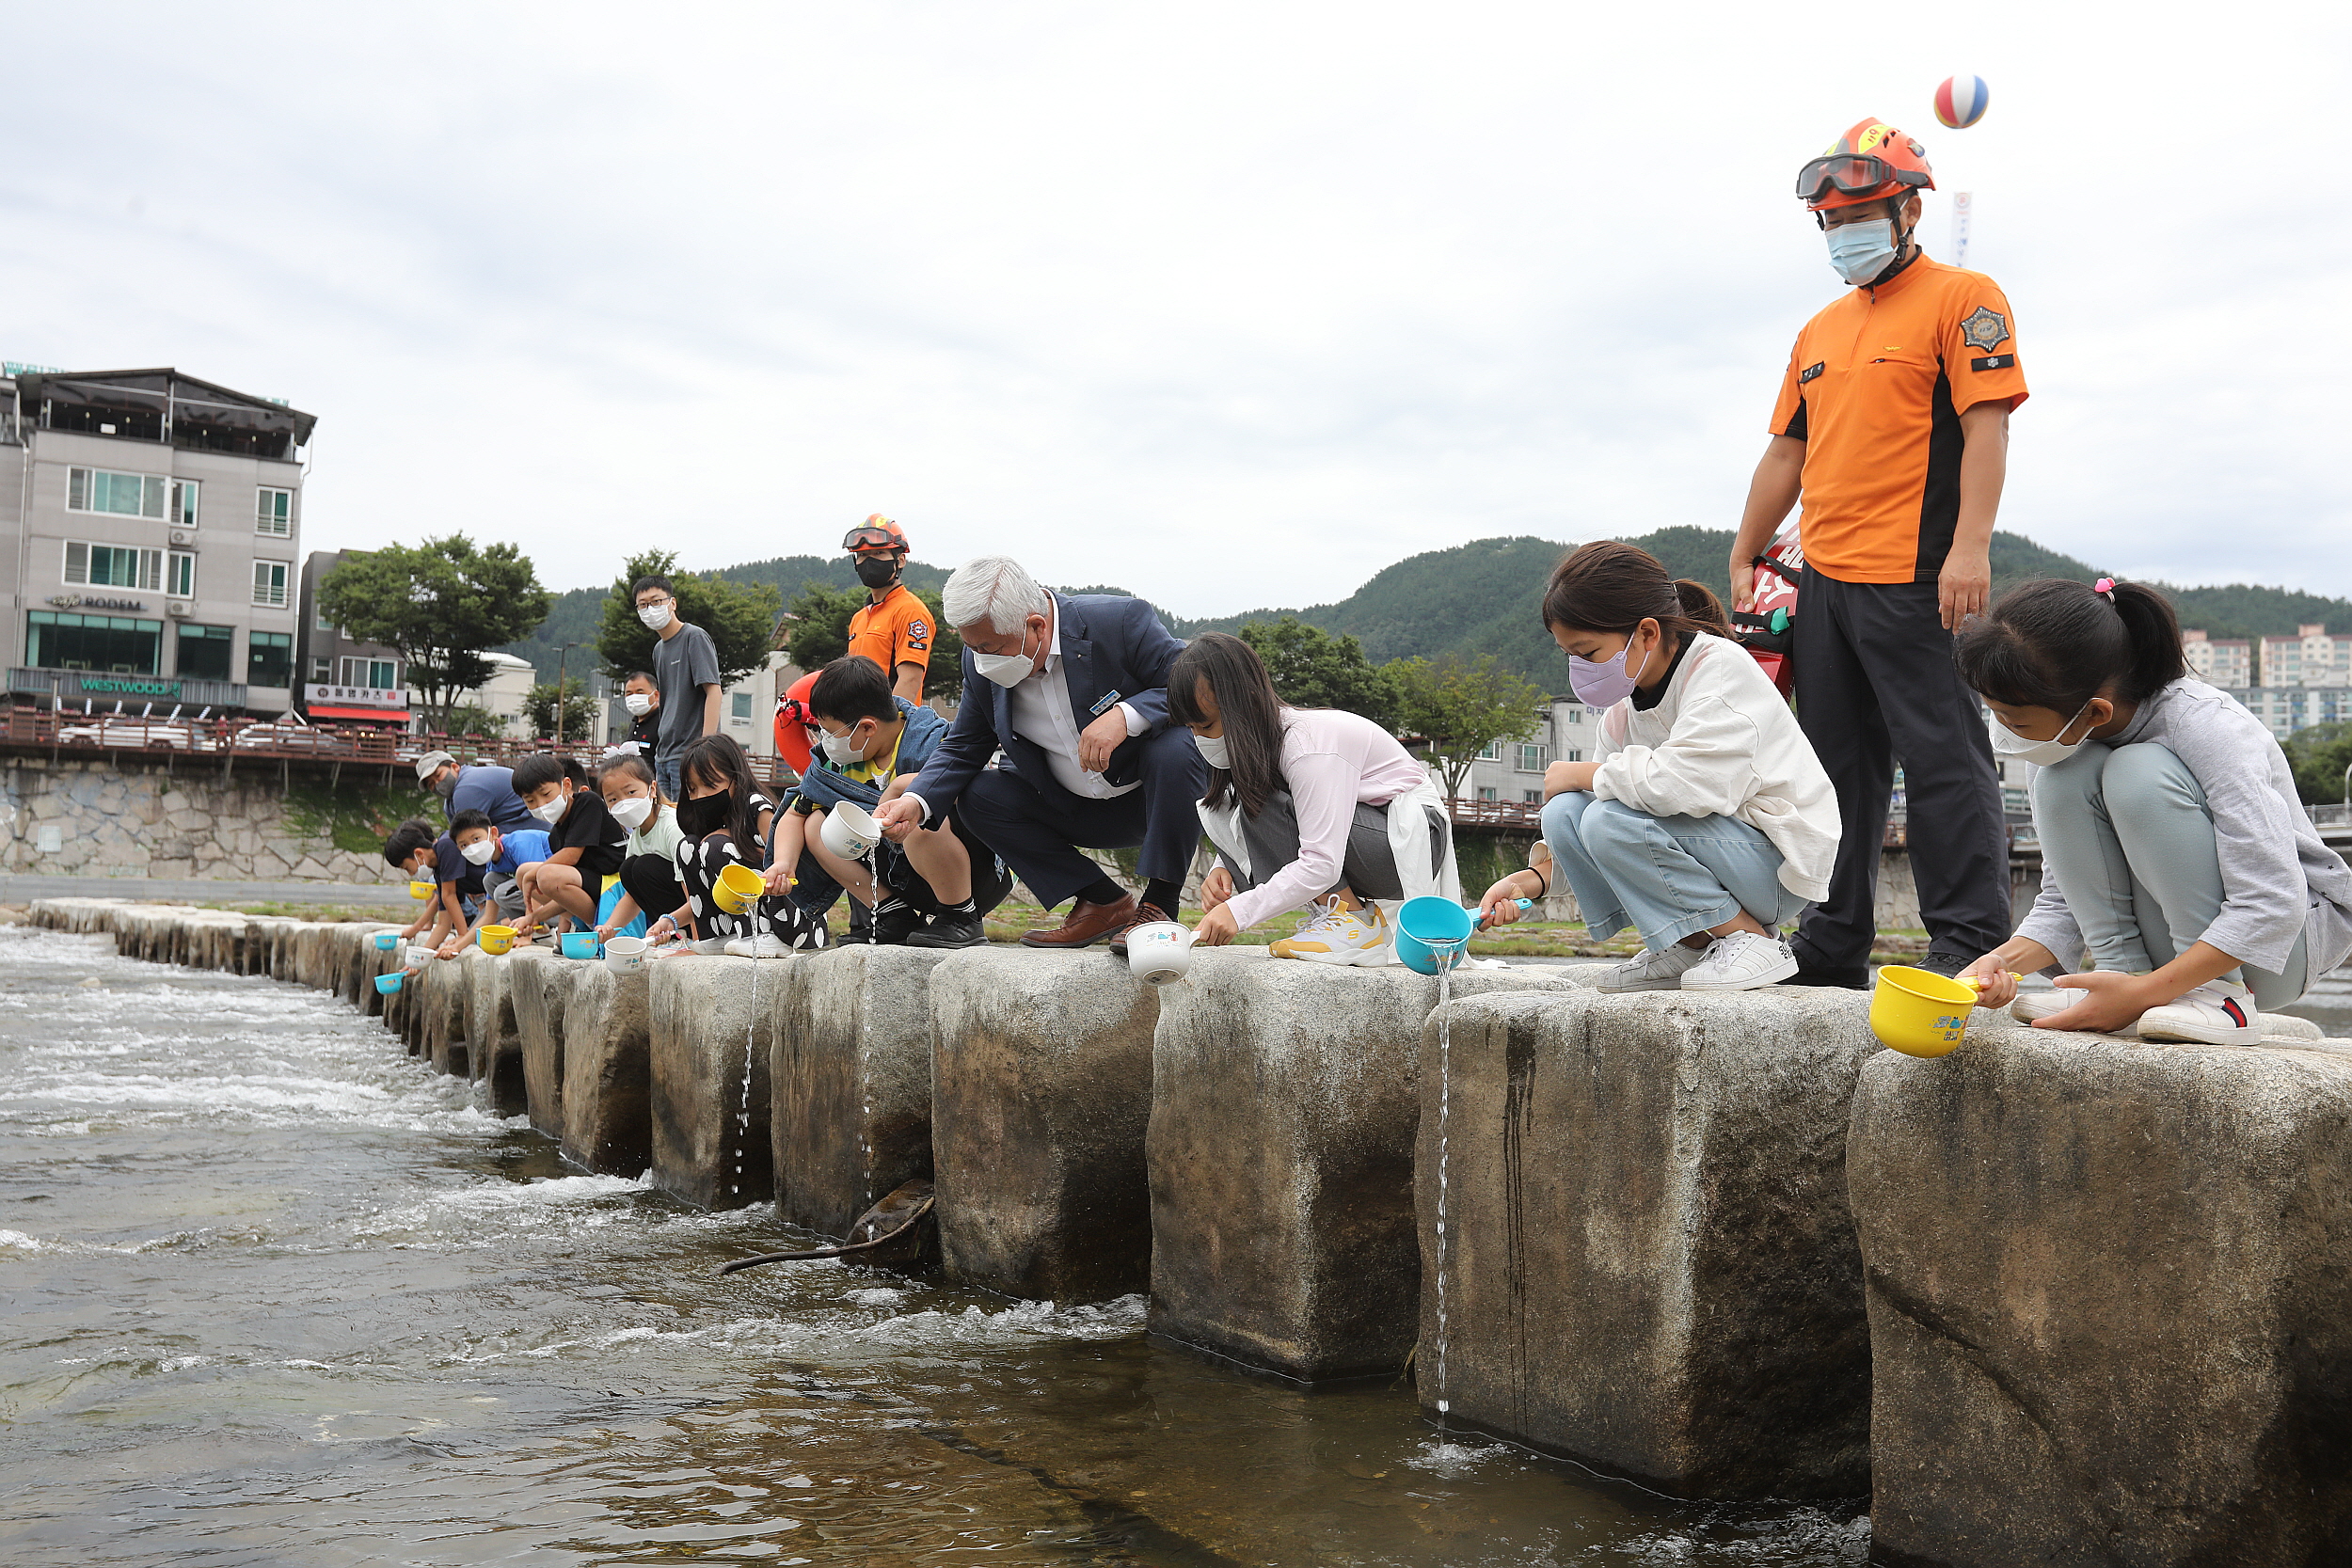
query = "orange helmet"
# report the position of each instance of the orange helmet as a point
(793, 722)
(1870, 161)
(876, 533)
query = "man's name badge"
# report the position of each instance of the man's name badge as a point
(1098, 709)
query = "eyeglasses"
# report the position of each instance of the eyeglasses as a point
(1850, 174)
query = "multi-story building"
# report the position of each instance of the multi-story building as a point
(2285, 709)
(344, 680)
(151, 522)
(2311, 658)
(1514, 770)
(2223, 661)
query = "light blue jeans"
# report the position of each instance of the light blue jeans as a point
(1666, 876)
(2126, 832)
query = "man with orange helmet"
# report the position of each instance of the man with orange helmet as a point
(1893, 426)
(894, 629)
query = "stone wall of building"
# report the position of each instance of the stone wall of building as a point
(133, 821)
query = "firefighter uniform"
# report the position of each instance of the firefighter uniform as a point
(896, 632)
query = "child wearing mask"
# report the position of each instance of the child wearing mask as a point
(2176, 855)
(650, 885)
(584, 844)
(933, 889)
(1704, 821)
(500, 856)
(429, 856)
(725, 819)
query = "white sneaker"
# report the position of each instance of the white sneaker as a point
(2215, 1013)
(765, 945)
(1337, 936)
(1661, 970)
(1741, 961)
(2031, 1005)
(709, 946)
(737, 947)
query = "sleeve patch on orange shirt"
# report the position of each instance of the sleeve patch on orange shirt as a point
(1992, 362)
(1811, 371)
(1987, 329)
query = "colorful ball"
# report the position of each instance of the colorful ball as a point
(1960, 102)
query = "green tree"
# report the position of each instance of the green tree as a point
(740, 618)
(2319, 756)
(1461, 706)
(820, 634)
(1310, 668)
(441, 604)
(579, 710)
(474, 719)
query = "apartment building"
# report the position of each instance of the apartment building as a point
(2223, 661)
(2285, 709)
(152, 523)
(2309, 658)
(344, 680)
(1514, 770)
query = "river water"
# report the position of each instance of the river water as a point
(276, 1293)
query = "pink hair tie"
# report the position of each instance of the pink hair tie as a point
(2104, 586)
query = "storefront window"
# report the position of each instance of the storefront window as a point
(270, 662)
(205, 652)
(109, 644)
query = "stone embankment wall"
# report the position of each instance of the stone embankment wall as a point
(191, 821)
(2054, 1298)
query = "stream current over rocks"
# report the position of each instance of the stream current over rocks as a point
(276, 1293)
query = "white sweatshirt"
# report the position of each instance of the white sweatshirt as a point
(1722, 743)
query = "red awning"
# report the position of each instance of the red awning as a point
(373, 715)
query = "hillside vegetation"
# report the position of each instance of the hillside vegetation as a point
(1480, 598)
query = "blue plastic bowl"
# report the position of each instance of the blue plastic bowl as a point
(387, 940)
(578, 945)
(387, 984)
(1431, 932)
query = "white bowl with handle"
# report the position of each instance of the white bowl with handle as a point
(1159, 951)
(850, 832)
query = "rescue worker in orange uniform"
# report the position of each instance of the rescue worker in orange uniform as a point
(1893, 427)
(893, 628)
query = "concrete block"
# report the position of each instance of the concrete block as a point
(1284, 1098)
(608, 1083)
(444, 1009)
(852, 1069)
(2111, 1298)
(1041, 1090)
(494, 1049)
(713, 1029)
(1636, 1246)
(540, 984)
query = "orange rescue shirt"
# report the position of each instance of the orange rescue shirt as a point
(1875, 388)
(893, 632)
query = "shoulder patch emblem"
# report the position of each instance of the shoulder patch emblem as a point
(1987, 329)
(1811, 371)
(1992, 362)
(917, 631)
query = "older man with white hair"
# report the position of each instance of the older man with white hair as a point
(1073, 689)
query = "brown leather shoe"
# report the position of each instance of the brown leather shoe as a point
(1085, 924)
(1144, 914)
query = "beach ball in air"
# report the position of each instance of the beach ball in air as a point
(1960, 102)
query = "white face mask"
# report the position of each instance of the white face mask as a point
(840, 750)
(638, 702)
(552, 812)
(480, 851)
(656, 616)
(1006, 670)
(2042, 754)
(1213, 750)
(631, 812)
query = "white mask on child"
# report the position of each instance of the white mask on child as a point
(2042, 754)
(479, 852)
(840, 750)
(551, 813)
(631, 814)
(1213, 750)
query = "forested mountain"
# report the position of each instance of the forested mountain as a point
(1482, 597)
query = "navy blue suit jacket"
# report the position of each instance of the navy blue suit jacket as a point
(1113, 650)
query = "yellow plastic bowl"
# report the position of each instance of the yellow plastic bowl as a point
(496, 940)
(737, 889)
(421, 891)
(1919, 1012)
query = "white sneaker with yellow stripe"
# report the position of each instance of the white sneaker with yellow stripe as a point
(1336, 936)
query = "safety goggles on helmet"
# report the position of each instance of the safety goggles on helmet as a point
(1855, 174)
(863, 538)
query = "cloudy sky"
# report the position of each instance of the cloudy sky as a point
(1231, 304)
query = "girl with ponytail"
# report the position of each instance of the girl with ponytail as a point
(2176, 856)
(1703, 820)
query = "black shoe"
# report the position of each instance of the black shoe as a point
(1946, 964)
(1848, 979)
(894, 924)
(953, 929)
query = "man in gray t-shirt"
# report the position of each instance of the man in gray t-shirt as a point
(686, 668)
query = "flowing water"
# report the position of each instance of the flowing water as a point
(276, 1293)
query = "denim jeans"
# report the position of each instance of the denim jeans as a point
(665, 773)
(2126, 832)
(1666, 876)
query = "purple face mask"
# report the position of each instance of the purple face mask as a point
(1606, 684)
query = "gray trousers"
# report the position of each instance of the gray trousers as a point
(1369, 868)
(2126, 832)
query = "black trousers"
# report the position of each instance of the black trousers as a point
(1875, 685)
(1038, 830)
(652, 882)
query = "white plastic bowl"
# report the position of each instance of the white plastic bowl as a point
(420, 954)
(1159, 951)
(623, 954)
(850, 832)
